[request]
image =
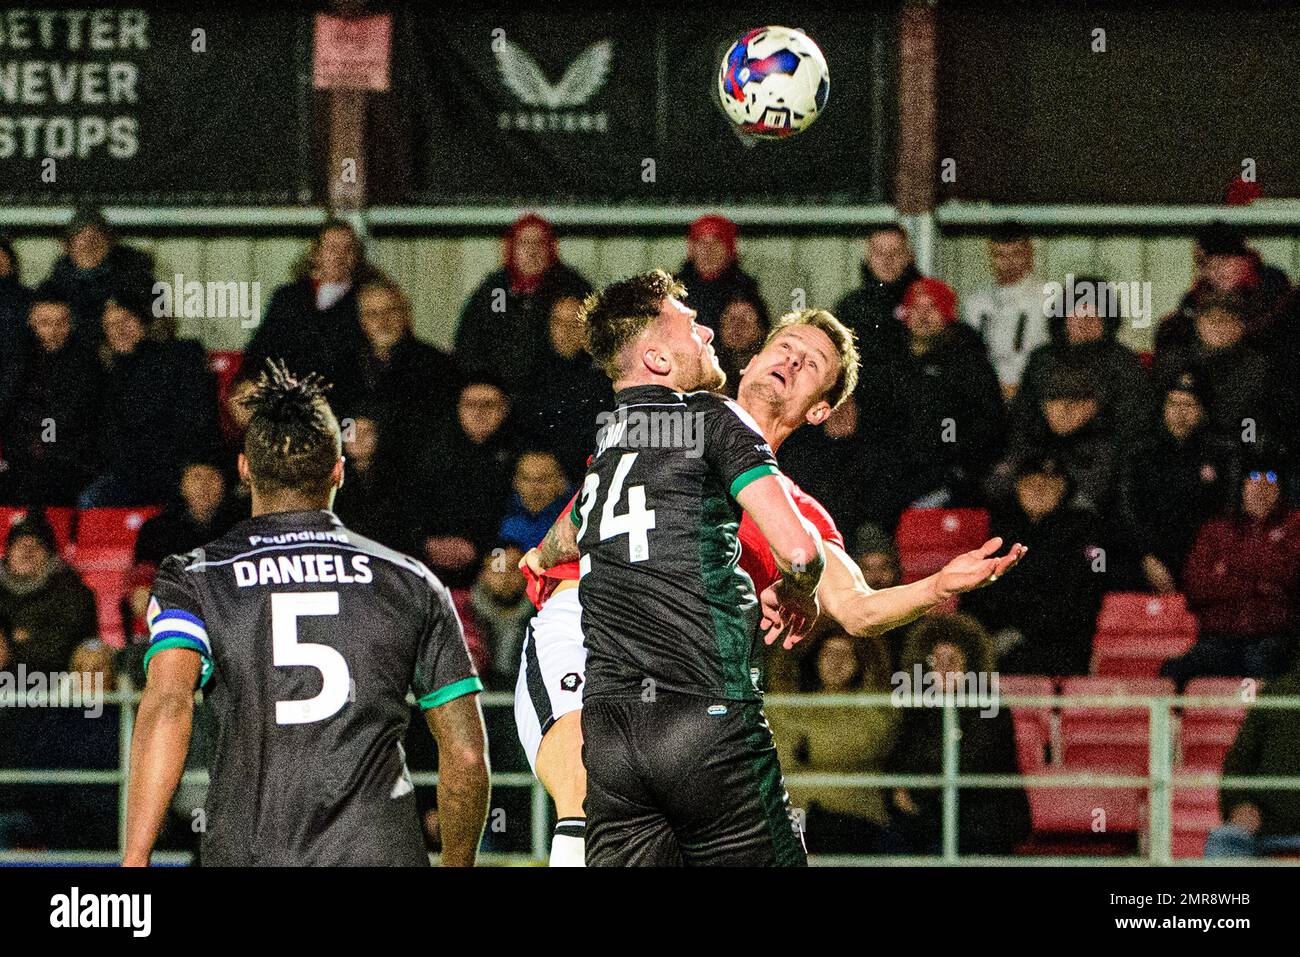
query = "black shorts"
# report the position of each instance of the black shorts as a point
(684, 780)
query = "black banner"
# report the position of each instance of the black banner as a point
(621, 104)
(165, 104)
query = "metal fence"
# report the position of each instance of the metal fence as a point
(1162, 780)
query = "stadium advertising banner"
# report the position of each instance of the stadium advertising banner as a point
(624, 107)
(152, 104)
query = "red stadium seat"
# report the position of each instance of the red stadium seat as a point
(1116, 739)
(108, 584)
(1195, 815)
(1033, 723)
(1207, 734)
(59, 517)
(928, 538)
(106, 536)
(1137, 632)
(1084, 810)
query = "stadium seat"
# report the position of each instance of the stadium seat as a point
(59, 517)
(1115, 739)
(1195, 815)
(1207, 734)
(1034, 731)
(928, 538)
(106, 536)
(1137, 632)
(1084, 810)
(108, 584)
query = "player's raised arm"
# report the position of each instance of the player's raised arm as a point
(559, 545)
(158, 748)
(463, 787)
(846, 597)
(799, 554)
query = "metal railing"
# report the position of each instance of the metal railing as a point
(1162, 780)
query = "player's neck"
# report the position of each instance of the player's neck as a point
(288, 502)
(770, 423)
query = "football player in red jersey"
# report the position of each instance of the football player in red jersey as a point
(808, 366)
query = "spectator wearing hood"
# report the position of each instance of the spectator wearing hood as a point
(953, 408)
(712, 274)
(1225, 266)
(1010, 315)
(1067, 427)
(1242, 581)
(94, 264)
(989, 820)
(45, 608)
(1172, 483)
(1244, 397)
(503, 325)
(1043, 617)
(569, 393)
(311, 323)
(1087, 342)
(159, 408)
(49, 410)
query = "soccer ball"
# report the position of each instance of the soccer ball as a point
(773, 83)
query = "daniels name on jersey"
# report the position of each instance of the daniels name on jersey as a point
(310, 638)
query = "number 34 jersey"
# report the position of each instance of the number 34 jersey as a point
(664, 604)
(310, 638)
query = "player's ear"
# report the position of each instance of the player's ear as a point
(819, 413)
(336, 476)
(243, 469)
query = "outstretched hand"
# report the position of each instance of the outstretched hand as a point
(788, 614)
(977, 568)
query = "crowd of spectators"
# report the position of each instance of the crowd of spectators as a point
(1168, 471)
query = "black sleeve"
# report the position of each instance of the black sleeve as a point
(175, 616)
(732, 444)
(443, 669)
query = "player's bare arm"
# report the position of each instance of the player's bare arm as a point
(161, 740)
(847, 598)
(559, 545)
(463, 787)
(790, 607)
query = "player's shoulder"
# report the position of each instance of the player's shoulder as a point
(720, 408)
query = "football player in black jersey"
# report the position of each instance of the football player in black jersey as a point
(306, 639)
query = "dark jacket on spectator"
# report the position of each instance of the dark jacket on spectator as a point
(413, 392)
(1261, 298)
(57, 614)
(990, 821)
(1243, 576)
(560, 411)
(51, 394)
(1089, 455)
(368, 505)
(954, 413)
(708, 297)
(160, 408)
(174, 531)
(1238, 380)
(1268, 745)
(15, 306)
(1169, 489)
(1125, 399)
(870, 310)
(1053, 597)
(86, 290)
(308, 339)
(509, 343)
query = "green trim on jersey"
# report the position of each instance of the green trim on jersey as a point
(751, 475)
(189, 644)
(575, 518)
(725, 588)
(450, 692)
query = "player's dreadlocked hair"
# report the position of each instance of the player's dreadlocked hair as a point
(620, 312)
(293, 439)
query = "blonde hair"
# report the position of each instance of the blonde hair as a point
(842, 338)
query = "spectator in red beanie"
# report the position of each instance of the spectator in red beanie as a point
(503, 328)
(952, 402)
(712, 273)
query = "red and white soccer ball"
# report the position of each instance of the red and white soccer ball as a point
(773, 83)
